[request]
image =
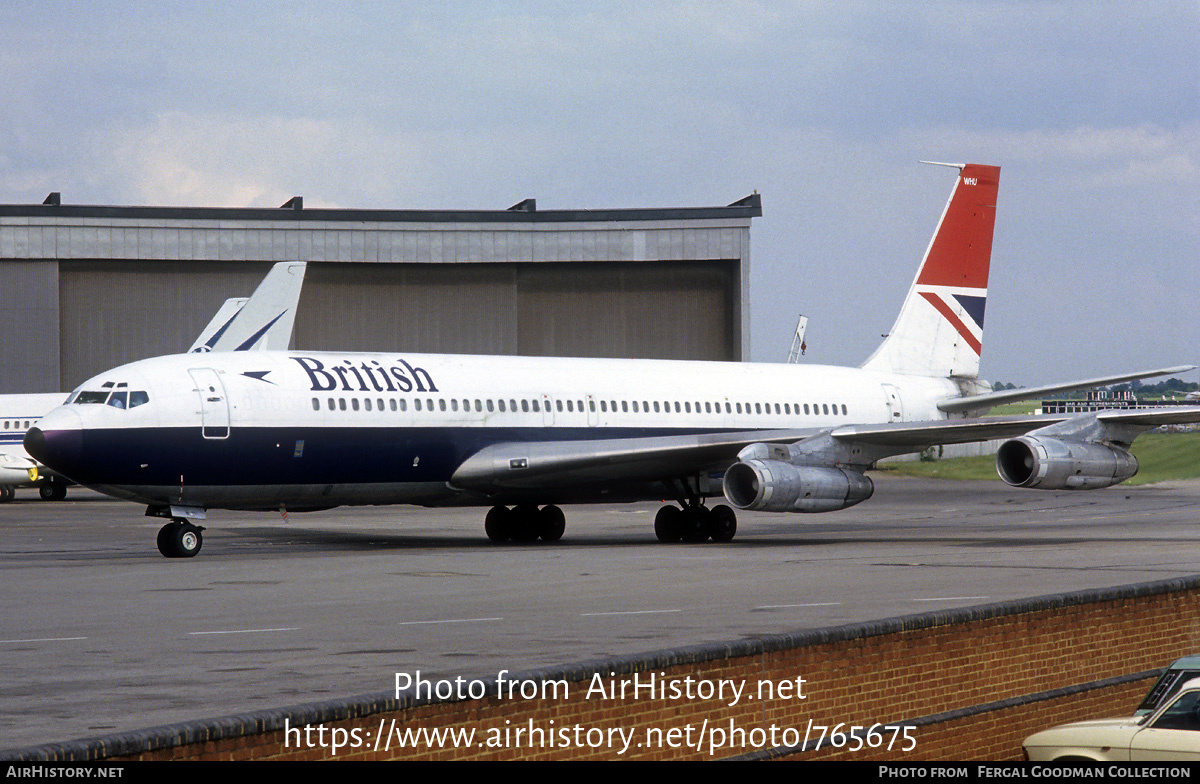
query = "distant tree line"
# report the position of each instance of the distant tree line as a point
(1168, 387)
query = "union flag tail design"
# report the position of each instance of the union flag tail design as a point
(939, 331)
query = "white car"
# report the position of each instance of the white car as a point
(1170, 732)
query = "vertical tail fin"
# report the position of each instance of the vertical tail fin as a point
(264, 321)
(939, 331)
(219, 323)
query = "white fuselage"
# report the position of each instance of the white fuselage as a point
(261, 429)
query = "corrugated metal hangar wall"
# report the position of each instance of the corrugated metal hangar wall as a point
(85, 288)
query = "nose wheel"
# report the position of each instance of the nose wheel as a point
(180, 539)
(53, 489)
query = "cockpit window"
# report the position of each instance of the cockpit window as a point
(87, 397)
(120, 398)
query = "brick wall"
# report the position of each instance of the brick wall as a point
(973, 682)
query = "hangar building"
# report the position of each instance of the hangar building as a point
(85, 288)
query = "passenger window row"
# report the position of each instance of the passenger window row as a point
(526, 405)
(16, 424)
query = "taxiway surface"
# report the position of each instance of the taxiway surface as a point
(99, 633)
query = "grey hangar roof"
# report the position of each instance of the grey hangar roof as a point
(95, 286)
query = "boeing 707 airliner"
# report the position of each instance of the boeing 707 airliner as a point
(310, 430)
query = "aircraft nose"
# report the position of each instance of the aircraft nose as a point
(56, 440)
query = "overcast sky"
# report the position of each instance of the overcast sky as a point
(1092, 109)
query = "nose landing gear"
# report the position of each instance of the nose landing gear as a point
(53, 489)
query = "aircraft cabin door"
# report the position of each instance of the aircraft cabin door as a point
(214, 405)
(894, 404)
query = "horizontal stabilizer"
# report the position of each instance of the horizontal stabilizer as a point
(989, 399)
(912, 436)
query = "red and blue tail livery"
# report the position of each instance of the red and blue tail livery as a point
(940, 328)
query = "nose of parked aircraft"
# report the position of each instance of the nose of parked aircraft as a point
(56, 440)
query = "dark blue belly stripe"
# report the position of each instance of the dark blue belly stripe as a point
(275, 456)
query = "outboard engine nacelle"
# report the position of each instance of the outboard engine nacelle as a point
(778, 486)
(1053, 464)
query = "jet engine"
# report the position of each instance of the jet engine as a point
(778, 486)
(1053, 464)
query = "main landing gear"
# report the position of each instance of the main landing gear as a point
(525, 523)
(695, 523)
(692, 522)
(180, 539)
(53, 489)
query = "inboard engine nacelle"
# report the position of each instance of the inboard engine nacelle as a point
(779, 486)
(1053, 464)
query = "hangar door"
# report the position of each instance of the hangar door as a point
(660, 310)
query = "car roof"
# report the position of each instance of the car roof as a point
(1186, 663)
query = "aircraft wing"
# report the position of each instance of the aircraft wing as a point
(540, 464)
(918, 435)
(1151, 417)
(517, 465)
(16, 468)
(537, 464)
